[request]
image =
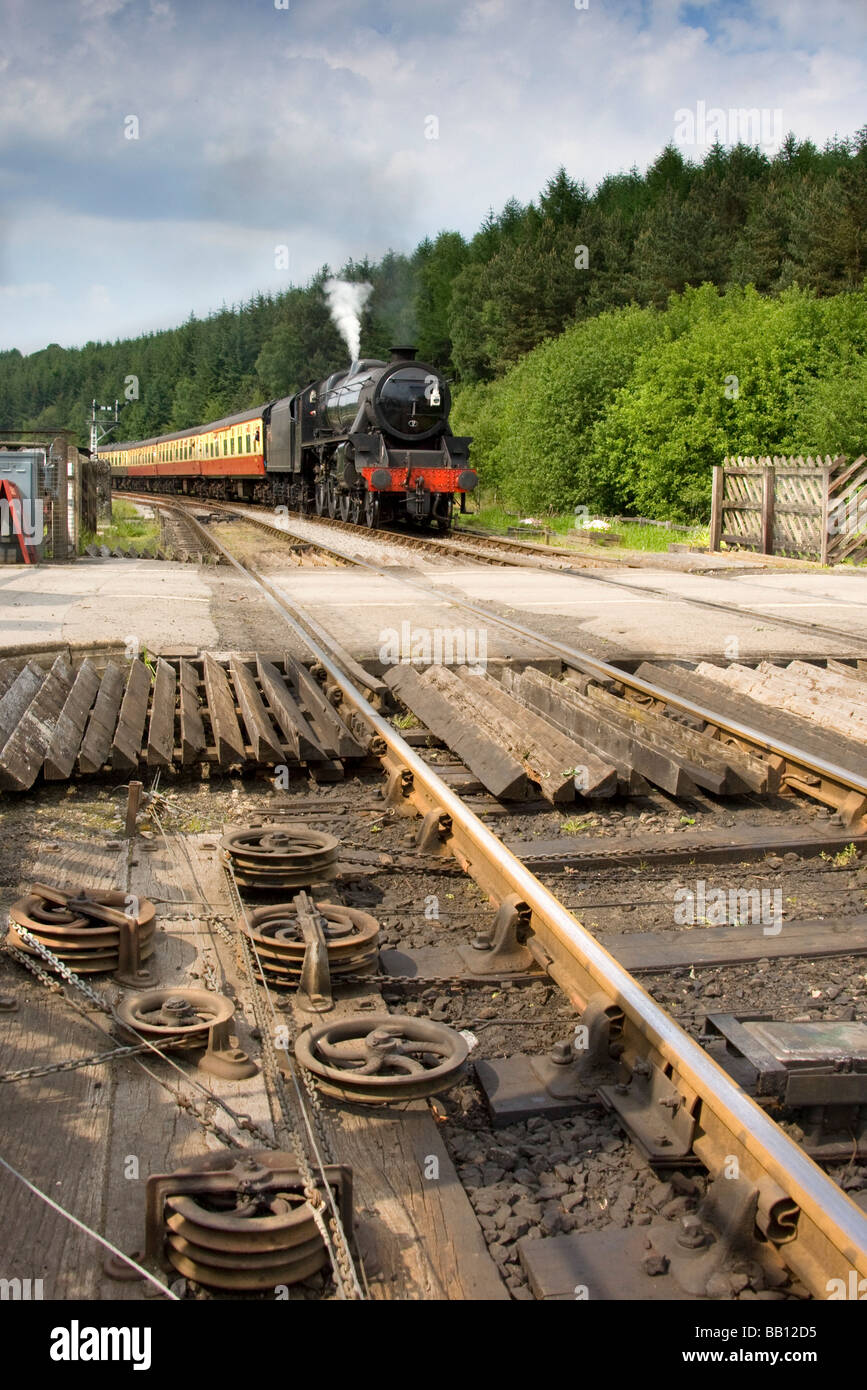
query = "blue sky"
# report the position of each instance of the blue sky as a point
(306, 127)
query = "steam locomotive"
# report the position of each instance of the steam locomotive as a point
(370, 443)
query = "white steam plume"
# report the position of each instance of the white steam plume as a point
(346, 300)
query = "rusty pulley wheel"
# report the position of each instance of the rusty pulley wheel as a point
(242, 1242)
(241, 1221)
(352, 940)
(382, 1058)
(281, 854)
(85, 942)
(189, 1018)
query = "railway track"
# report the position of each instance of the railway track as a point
(499, 550)
(583, 1030)
(814, 1230)
(841, 786)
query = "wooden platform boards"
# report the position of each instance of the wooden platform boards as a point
(62, 716)
(91, 1138)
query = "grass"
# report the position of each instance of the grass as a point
(633, 535)
(575, 825)
(405, 721)
(844, 860)
(126, 525)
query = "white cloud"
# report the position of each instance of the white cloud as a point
(39, 289)
(101, 9)
(262, 127)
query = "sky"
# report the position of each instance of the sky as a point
(163, 157)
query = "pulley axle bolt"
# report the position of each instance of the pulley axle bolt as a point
(380, 1042)
(691, 1235)
(481, 943)
(177, 1011)
(562, 1053)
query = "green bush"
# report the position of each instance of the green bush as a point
(629, 411)
(533, 428)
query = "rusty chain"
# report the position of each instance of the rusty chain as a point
(328, 1222)
(232, 939)
(59, 966)
(333, 1234)
(242, 1122)
(95, 1059)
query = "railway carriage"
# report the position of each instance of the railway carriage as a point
(370, 443)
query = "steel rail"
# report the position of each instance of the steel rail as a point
(590, 665)
(502, 550)
(829, 1233)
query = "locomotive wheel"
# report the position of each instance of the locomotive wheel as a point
(356, 508)
(345, 506)
(383, 1058)
(371, 510)
(333, 499)
(321, 501)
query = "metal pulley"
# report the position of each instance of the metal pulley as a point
(240, 1221)
(282, 941)
(90, 930)
(190, 1019)
(383, 1058)
(281, 854)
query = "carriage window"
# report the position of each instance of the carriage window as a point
(248, 443)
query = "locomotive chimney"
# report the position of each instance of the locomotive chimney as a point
(403, 354)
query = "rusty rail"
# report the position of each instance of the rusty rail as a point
(837, 785)
(828, 1230)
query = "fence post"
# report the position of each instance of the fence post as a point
(716, 507)
(824, 537)
(769, 478)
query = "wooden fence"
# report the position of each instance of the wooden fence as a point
(812, 509)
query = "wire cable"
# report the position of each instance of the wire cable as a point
(55, 1206)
